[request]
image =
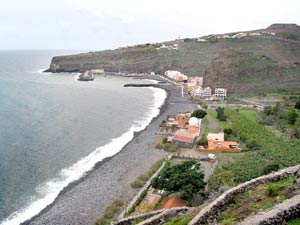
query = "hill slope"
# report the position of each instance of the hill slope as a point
(249, 65)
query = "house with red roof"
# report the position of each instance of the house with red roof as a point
(184, 139)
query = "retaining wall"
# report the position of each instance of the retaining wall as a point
(211, 211)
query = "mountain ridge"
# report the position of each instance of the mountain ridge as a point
(245, 65)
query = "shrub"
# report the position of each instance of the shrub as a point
(271, 168)
(179, 221)
(165, 140)
(202, 141)
(292, 116)
(272, 191)
(142, 179)
(297, 105)
(110, 212)
(221, 114)
(199, 113)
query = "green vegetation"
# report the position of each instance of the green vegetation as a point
(261, 197)
(292, 116)
(199, 113)
(137, 221)
(221, 114)
(249, 114)
(246, 66)
(168, 147)
(294, 222)
(186, 178)
(110, 212)
(271, 153)
(206, 129)
(228, 219)
(213, 114)
(179, 221)
(142, 179)
(202, 141)
(165, 140)
(297, 104)
(138, 201)
(283, 118)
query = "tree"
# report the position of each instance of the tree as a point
(186, 178)
(199, 113)
(221, 113)
(297, 105)
(292, 116)
(202, 141)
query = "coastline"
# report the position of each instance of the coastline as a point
(84, 200)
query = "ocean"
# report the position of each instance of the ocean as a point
(54, 129)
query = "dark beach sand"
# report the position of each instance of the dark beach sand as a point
(85, 200)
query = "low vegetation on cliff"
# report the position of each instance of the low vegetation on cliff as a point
(248, 65)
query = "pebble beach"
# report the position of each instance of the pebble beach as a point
(84, 201)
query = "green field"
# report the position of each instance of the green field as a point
(213, 114)
(270, 152)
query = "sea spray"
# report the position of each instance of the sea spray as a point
(51, 189)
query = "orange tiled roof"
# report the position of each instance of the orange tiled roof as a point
(184, 136)
(174, 201)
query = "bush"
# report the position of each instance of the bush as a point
(142, 179)
(221, 114)
(228, 131)
(272, 191)
(271, 168)
(292, 116)
(198, 113)
(297, 105)
(179, 221)
(138, 201)
(168, 147)
(110, 212)
(202, 141)
(268, 110)
(165, 140)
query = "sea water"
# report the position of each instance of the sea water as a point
(53, 129)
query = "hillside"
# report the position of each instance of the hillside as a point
(246, 65)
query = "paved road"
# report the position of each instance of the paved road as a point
(213, 125)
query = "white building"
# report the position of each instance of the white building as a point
(215, 136)
(202, 92)
(176, 75)
(220, 92)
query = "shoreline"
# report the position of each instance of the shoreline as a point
(54, 213)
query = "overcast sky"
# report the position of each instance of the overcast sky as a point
(103, 24)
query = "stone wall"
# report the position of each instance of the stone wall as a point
(287, 210)
(155, 217)
(211, 211)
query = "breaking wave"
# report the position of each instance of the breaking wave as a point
(52, 188)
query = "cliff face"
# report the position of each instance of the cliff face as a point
(247, 65)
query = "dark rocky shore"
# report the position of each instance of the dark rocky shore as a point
(85, 200)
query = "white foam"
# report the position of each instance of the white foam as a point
(52, 188)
